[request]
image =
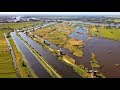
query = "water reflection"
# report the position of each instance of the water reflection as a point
(35, 65)
(60, 67)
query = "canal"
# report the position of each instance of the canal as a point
(33, 62)
(64, 70)
(100, 48)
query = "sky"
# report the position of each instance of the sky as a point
(59, 13)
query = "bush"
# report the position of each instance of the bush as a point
(24, 64)
(7, 36)
(29, 75)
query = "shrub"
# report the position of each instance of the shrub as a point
(24, 64)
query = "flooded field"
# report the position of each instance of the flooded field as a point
(100, 47)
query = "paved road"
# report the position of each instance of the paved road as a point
(13, 55)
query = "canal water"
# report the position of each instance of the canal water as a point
(100, 47)
(33, 62)
(64, 70)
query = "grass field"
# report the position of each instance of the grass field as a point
(43, 62)
(7, 69)
(108, 33)
(6, 65)
(42, 32)
(94, 62)
(80, 69)
(57, 34)
(56, 37)
(19, 25)
(74, 46)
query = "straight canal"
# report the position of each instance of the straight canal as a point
(64, 70)
(33, 62)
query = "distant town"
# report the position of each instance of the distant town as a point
(93, 19)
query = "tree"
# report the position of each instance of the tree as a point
(97, 26)
(8, 35)
(33, 36)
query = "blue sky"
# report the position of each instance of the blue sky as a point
(59, 13)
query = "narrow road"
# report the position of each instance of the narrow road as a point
(13, 55)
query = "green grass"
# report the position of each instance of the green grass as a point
(96, 65)
(56, 34)
(56, 37)
(4, 51)
(94, 62)
(8, 75)
(24, 70)
(7, 69)
(43, 31)
(75, 46)
(43, 62)
(110, 33)
(81, 70)
(99, 75)
(19, 25)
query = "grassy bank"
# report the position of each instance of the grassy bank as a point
(112, 33)
(58, 35)
(7, 69)
(94, 62)
(43, 62)
(75, 46)
(21, 64)
(42, 32)
(95, 65)
(80, 69)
